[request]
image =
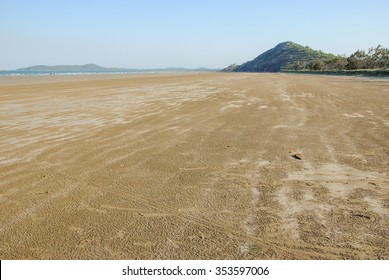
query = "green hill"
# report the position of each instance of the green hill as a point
(285, 56)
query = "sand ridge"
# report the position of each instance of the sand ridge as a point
(194, 167)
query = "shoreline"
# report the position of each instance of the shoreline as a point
(382, 73)
(44, 79)
(7, 80)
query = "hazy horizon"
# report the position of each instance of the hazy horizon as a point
(190, 34)
(108, 67)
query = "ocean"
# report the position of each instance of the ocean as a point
(48, 73)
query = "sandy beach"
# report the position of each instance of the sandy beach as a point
(194, 167)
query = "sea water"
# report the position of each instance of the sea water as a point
(48, 73)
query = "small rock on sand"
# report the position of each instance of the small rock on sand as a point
(298, 156)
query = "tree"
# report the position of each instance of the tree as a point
(357, 60)
(381, 57)
(317, 65)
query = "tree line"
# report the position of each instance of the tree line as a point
(374, 58)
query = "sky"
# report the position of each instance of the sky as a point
(177, 33)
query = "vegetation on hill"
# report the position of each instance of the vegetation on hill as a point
(289, 56)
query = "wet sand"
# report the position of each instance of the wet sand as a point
(194, 167)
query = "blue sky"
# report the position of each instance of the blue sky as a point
(173, 33)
